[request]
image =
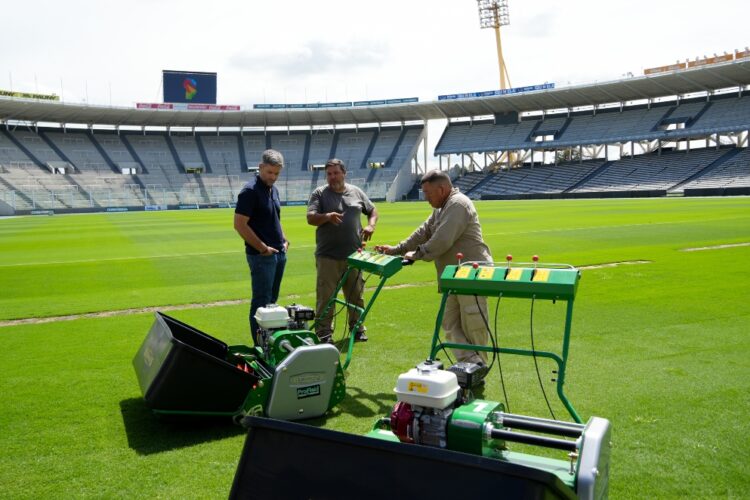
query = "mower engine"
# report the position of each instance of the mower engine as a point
(425, 404)
(274, 318)
(428, 397)
(436, 408)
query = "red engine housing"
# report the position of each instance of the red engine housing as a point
(402, 417)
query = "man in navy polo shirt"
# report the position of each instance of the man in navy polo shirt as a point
(257, 219)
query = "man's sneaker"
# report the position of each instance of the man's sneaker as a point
(326, 339)
(360, 337)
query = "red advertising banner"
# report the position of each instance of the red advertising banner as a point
(741, 54)
(662, 69)
(212, 107)
(709, 60)
(723, 58)
(187, 107)
(150, 105)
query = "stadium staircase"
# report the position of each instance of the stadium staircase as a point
(334, 145)
(564, 127)
(366, 158)
(57, 150)
(81, 190)
(243, 156)
(700, 113)
(389, 161)
(103, 153)
(591, 175)
(135, 156)
(18, 192)
(370, 147)
(413, 193)
(476, 187)
(26, 151)
(204, 156)
(537, 125)
(140, 183)
(664, 118)
(202, 188)
(306, 153)
(175, 156)
(708, 168)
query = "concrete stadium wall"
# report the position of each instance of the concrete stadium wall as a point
(654, 193)
(727, 191)
(6, 209)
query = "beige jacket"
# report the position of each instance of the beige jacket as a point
(450, 229)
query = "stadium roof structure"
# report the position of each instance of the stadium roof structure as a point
(706, 78)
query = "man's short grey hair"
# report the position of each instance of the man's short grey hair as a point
(272, 157)
(436, 177)
(335, 162)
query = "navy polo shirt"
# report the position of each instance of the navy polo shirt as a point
(262, 204)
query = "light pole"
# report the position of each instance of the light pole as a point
(493, 14)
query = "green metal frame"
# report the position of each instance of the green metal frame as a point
(362, 312)
(382, 265)
(484, 289)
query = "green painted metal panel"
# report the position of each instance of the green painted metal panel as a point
(375, 263)
(383, 434)
(521, 282)
(466, 427)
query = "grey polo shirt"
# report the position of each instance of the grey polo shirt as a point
(338, 242)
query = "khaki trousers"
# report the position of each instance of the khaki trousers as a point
(329, 274)
(463, 324)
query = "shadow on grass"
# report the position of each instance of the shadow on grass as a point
(353, 404)
(148, 433)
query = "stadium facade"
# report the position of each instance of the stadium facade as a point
(679, 132)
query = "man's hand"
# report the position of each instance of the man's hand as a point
(409, 256)
(269, 251)
(367, 232)
(335, 218)
(386, 249)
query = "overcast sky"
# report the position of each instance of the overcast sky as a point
(293, 51)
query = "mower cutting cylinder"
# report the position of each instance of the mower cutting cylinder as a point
(532, 439)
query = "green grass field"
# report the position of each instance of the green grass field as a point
(659, 348)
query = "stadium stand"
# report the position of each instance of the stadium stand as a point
(608, 126)
(683, 132)
(671, 171)
(660, 127)
(52, 169)
(735, 172)
(650, 172)
(537, 180)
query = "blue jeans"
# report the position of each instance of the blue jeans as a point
(265, 273)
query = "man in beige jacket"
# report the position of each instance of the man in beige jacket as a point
(452, 227)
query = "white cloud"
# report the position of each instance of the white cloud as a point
(311, 58)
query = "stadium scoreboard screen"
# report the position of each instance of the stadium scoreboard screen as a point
(189, 87)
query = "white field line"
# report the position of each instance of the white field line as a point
(120, 312)
(145, 257)
(715, 247)
(614, 264)
(588, 228)
(143, 310)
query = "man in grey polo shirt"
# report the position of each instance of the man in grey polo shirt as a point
(336, 210)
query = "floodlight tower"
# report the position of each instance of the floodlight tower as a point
(493, 14)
